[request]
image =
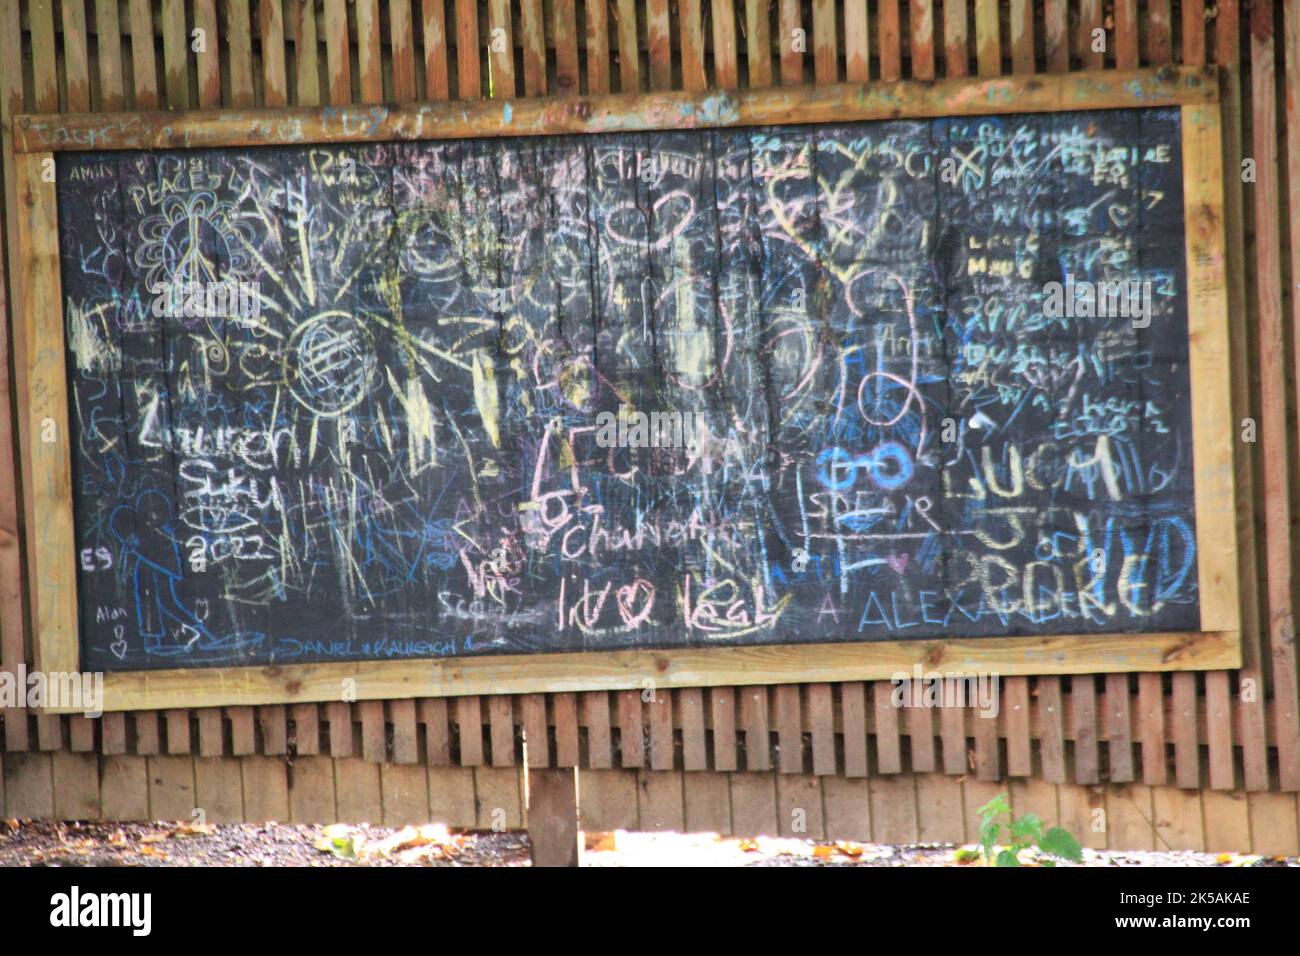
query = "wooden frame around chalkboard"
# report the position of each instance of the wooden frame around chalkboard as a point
(43, 389)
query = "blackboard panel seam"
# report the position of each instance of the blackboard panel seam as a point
(696, 667)
(841, 103)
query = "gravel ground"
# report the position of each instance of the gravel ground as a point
(38, 843)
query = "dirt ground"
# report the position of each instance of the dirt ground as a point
(28, 843)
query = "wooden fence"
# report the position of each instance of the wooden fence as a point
(1206, 760)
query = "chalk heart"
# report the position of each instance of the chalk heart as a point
(898, 562)
(629, 596)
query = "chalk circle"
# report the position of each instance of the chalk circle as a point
(329, 363)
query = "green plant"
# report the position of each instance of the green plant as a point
(1022, 833)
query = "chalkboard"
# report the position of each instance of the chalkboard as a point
(875, 381)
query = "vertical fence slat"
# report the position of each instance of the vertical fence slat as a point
(144, 64)
(108, 51)
(469, 731)
(1083, 720)
(629, 51)
(1056, 36)
(501, 49)
(889, 757)
(147, 738)
(661, 730)
(501, 730)
(532, 26)
(306, 729)
(211, 732)
(468, 80)
(374, 737)
(889, 46)
(659, 44)
(857, 42)
(952, 734)
(789, 30)
(1126, 34)
(631, 729)
(788, 718)
(726, 70)
(401, 37)
(758, 43)
(437, 733)
(435, 50)
(338, 56)
(1193, 32)
(1151, 730)
(401, 714)
(307, 54)
(690, 704)
(243, 737)
(821, 725)
(1285, 691)
(1051, 729)
(369, 62)
(921, 22)
(853, 724)
(956, 56)
(239, 40)
(988, 756)
(595, 717)
(758, 729)
(564, 708)
(270, 30)
(76, 56)
(825, 37)
(691, 24)
(272, 721)
(338, 718)
(208, 60)
(1186, 732)
(1090, 20)
(597, 53)
(722, 703)
(1022, 36)
(988, 43)
(1119, 728)
(1160, 39)
(176, 48)
(920, 731)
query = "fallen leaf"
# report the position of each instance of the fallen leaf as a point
(749, 846)
(823, 852)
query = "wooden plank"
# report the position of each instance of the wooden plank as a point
(1126, 34)
(239, 43)
(1186, 731)
(1056, 36)
(338, 56)
(374, 742)
(938, 808)
(893, 809)
(799, 806)
(629, 56)
(204, 42)
(595, 717)
(553, 817)
(758, 44)
(468, 81)
(660, 805)
(1119, 729)
(501, 50)
(821, 723)
(753, 804)
(607, 800)
(211, 732)
(357, 793)
(451, 796)
(75, 779)
(406, 739)
(147, 737)
(1218, 713)
(1129, 818)
(691, 25)
(1151, 730)
(888, 753)
(437, 733)
(501, 722)
(631, 729)
(726, 69)
(1022, 37)
(28, 785)
(920, 732)
(722, 701)
(1273, 824)
(1227, 821)
(825, 47)
(988, 755)
(144, 64)
(124, 788)
(76, 56)
(857, 42)
(533, 40)
(405, 793)
(1015, 697)
(847, 811)
(706, 801)
(369, 61)
(311, 791)
(956, 53)
(791, 41)
(469, 731)
(686, 110)
(890, 40)
(659, 48)
(1250, 681)
(307, 53)
(1083, 813)
(564, 714)
(1090, 20)
(789, 728)
(306, 729)
(952, 731)
(661, 730)
(402, 41)
(921, 20)
(1160, 39)
(853, 723)
(1051, 720)
(243, 736)
(176, 48)
(112, 739)
(108, 51)
(270, 29)
(988, 43)
(566, 48)
(436, 83)
(597, 48)
(690, 707)
(265, 789)
(272, 722)
(537, 742)
(1193, 31)
(1083, 723)
(218, 790)
(499, 797)
(758, 731)
(338, 717)
(171, 787)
